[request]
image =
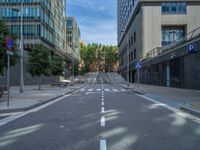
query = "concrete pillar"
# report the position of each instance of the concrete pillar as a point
(168, 74)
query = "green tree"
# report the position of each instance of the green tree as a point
(39, 62)
(96, 53)
(4, 32)
(76, 70)
(57, 65)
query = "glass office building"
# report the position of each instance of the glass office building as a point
(43, 22)
(73, 36)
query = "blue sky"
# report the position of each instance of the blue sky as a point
(96, 19)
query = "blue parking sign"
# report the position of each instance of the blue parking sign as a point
(192, 48)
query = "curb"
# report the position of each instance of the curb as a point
(138, 92)
(133, 90)
(35, 105)
(190, 110)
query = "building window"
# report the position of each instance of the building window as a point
(174, 8)
(135, 54)
(134, 37)
(131, 40)
(131, 56)
(172, 34)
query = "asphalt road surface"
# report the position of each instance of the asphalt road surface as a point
(101, 116)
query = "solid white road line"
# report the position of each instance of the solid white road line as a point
(102, 121)
(102, 109)
(19, 115)
(103, 145)
(185, 115)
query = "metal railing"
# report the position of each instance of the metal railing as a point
(159, 50)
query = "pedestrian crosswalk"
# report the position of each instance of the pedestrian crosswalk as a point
(105, 90)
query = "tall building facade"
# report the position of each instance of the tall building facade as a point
(73, 37)
(145, 25)
(43, 22)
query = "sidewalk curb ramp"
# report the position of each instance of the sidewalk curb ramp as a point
(190, 110)
(35, 105)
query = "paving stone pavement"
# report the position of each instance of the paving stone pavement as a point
(32, 96)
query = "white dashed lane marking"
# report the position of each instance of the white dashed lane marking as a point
(102, 110)
(103, 145)
(102, 121)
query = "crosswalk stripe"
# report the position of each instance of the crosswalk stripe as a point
(123, 90)
(115, 90)
(82, 90)
(107, 90)
(90, 90)
(98, 89)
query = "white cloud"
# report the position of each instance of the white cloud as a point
(97, 20)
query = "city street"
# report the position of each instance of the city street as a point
(100, 116)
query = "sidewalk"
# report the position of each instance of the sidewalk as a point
(32, 97)
(185, 99)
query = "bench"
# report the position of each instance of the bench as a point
(61, 83)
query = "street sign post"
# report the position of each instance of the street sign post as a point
(9, 46)
(138, 66)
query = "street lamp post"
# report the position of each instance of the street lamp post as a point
(21, 10)
(127, 58)
(21, 89)
(73, 67)
(73, 61)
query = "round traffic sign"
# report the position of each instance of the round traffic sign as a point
(9, 43)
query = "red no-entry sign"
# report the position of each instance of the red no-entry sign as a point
(9, 46)
(9, 43)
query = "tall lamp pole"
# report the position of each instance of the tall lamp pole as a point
(127, 57)
(76, 47)
(73, 67)
(21, 89)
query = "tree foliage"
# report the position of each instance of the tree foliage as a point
(39, 61)
(4, 32)
(99, 57)
(57, 65)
